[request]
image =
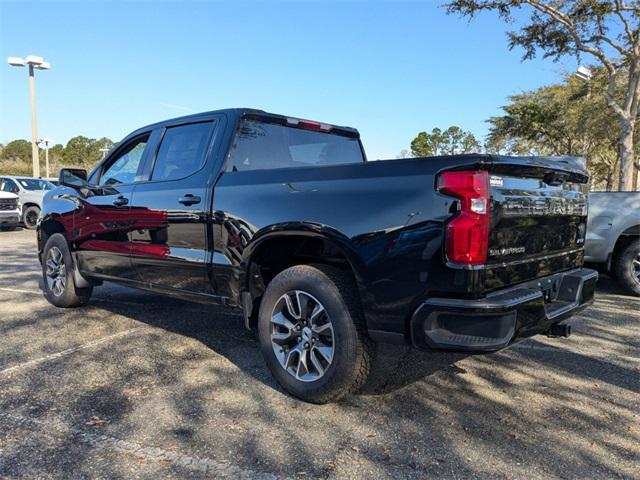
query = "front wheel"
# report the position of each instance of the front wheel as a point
(57, 275)
(627, 267)
(312, 333)
(30, 217)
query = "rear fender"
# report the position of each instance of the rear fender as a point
(311, 230)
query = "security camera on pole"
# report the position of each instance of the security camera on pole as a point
(35, 63)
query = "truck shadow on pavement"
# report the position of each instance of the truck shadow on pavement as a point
(394, 367)
(420, 413)
(220, 330)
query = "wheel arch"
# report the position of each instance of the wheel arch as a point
(30, 204)
(623, 239)
(47, 227)
(281, 246)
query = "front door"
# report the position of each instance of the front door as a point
(170, 211)
(102, 223)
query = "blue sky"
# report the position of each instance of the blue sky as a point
(390, 69)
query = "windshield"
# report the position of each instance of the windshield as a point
(35, 184)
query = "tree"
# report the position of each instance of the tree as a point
(83, 151)
(55, 152)
(426, 144)
(570, 118)
(534, 121)
(452, 141)
(606, 30)
(16, 150)
(15, 157)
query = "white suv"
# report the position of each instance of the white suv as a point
(10, 211)
(31, 193)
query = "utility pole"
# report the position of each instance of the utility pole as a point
(45, 142)
(35, 63)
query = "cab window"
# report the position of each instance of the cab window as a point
(123, 168)
(182, 151)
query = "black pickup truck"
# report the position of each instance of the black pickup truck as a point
(324, 252)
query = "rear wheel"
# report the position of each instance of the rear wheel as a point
(57, 275)
(312, 333)
(627, 267)
(30, 217)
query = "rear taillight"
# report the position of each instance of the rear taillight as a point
(467, 237)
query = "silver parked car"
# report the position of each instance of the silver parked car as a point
(613, 236)
(31, 192)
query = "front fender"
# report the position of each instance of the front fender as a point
(56, 215)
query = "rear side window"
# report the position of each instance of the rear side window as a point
(182, 151)
(260, 145)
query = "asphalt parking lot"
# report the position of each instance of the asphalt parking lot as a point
(136, 385)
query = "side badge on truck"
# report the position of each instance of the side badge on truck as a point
(495, 181)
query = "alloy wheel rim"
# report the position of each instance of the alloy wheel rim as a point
(56, 272)
(302, 336)
(31, 219)
(635, 267)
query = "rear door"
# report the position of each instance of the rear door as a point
(170, 211)
(538, 221)
(102, 222)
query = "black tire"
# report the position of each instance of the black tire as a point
(30, 217)
(69, 295)
(627, 267)
(335, 289)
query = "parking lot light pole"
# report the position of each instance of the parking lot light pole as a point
(34, 63)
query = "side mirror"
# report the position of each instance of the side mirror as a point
(73, 177)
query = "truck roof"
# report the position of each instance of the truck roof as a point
(234, 113)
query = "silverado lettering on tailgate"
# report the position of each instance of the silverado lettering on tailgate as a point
(543, 206)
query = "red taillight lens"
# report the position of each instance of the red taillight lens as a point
(467, 237)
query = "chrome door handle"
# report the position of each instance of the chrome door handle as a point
(121, 201)
(189, 199)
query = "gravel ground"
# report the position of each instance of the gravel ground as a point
(136, 385)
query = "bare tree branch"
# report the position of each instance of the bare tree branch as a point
(627, 28)
(602, 38)
(561, 18)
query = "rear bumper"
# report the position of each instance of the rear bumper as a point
(503, 317)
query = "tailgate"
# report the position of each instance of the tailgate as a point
(538, 219)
